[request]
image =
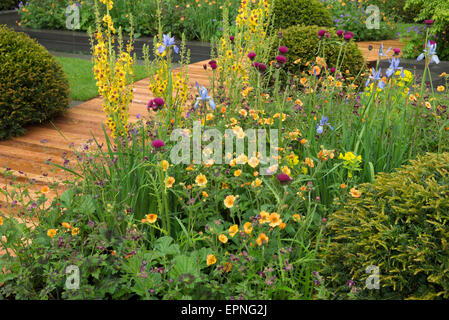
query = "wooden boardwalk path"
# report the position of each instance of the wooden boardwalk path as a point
(26, 156)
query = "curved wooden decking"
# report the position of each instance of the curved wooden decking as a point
(26, 156)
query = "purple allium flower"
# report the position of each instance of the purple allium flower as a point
(284, 178)
(321, 33)
(281, 59)
(251, 55)
(157, 143)
(283, 49)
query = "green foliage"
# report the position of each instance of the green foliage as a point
(33, 87)
(289, 13)
(197, 20)
(400, 224)
(303, 43)
(439, 12)
(8, 4)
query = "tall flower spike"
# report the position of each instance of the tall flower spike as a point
(204, 96)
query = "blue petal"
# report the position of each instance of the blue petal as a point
(197, 86)
(420, 57)
(176, 49)
(212, 103)
(161, 49)
(389, 72)
(435, 59)
(197, 102)
(319, 129)
(381, 84)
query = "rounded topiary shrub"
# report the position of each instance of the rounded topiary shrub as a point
(400, 223)
(303, 42)
(289, 13)
(33, 86)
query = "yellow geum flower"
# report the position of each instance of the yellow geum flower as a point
(286, 170)
(211, 259)
(262, 239)
(201, 180)
(264, 217)
(169, 182)
(75, 231)
(229, 201)
(66, 225)
(253, 162)
(52, 232)
(440, 88)
(151, 218)
(237, 173)
(223, 238)
(1, 220)
(233, 230)
(274, 219)
(247, 227)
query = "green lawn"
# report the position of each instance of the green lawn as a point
(82, 83)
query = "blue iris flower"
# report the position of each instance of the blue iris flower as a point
(168, 42)
(323, 122)
(375, 76)
(204, 96)
(381, 51)
(431, 51)
(394, 66)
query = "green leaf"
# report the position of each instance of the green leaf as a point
(164, 245)
(67, 197)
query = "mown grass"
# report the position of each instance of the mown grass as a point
(82, 83)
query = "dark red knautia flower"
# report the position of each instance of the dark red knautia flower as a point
(396, 51)
(429, 22)
(156, 104)
(332, 70)
(321, 33)
(340, 33)
(260, 66)
(157, 144)
(283, 49)
(251, 55)
(281, 59)
(213, 64)
(231, 38)
(348, 35)
(284, 178)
